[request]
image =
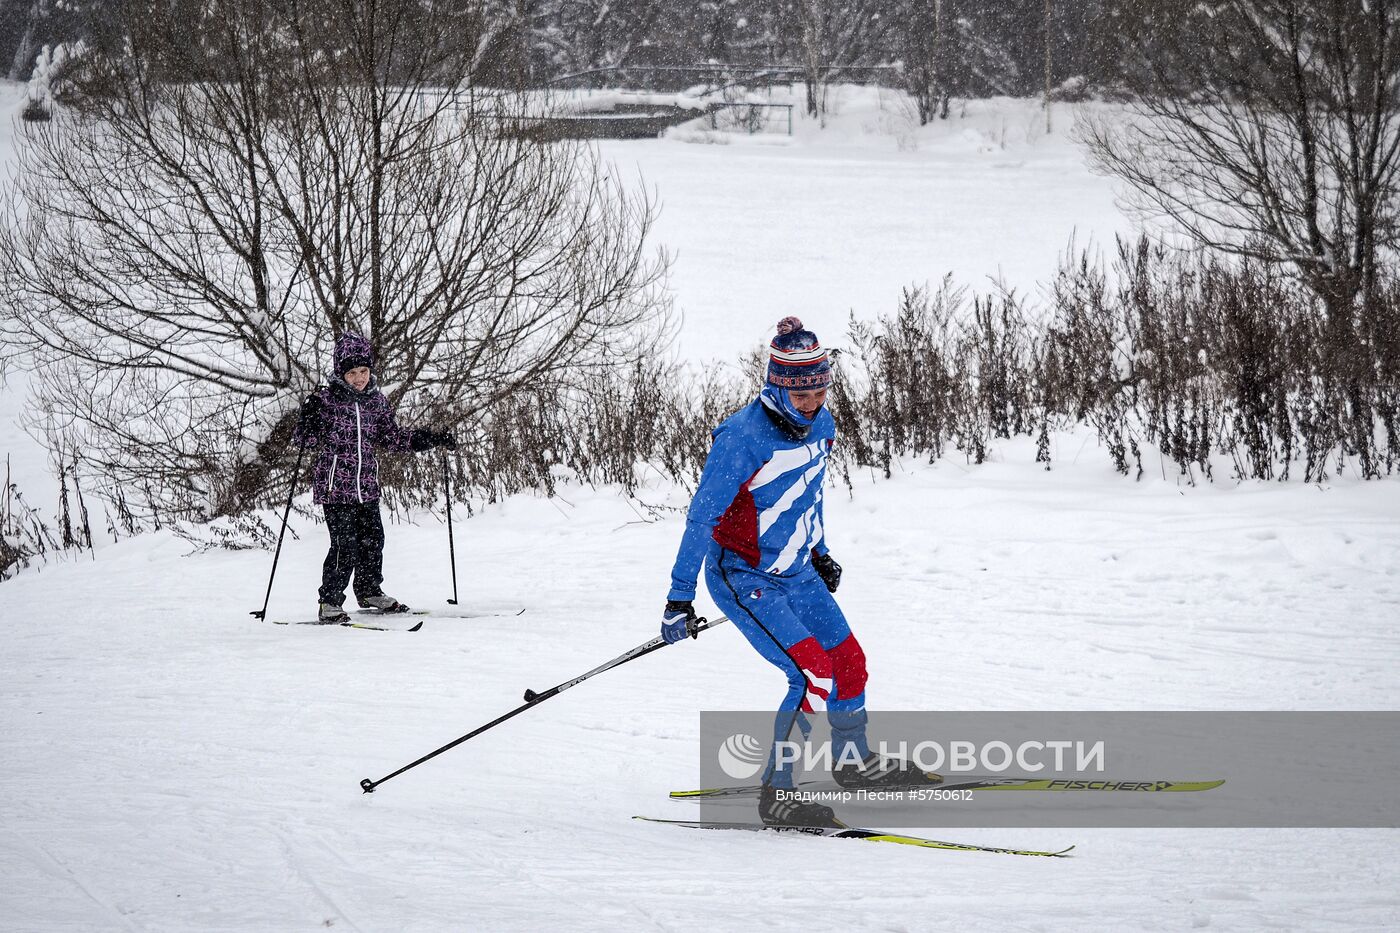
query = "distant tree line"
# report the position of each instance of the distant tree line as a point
(957, 47)
(981, 47)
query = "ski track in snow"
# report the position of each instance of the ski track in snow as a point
(39, 857)
(187, 767)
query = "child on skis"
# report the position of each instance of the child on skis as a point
(347, 421)
(756, 525)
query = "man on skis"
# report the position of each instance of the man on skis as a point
(756, 525)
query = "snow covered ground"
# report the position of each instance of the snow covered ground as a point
(168, 763)
(172, 764)
(834, 221)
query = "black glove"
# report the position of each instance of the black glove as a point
(422, 439)
(828, 570)
(678, 621)
(312, 416)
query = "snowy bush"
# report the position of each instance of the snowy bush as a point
(1200, 357)
(49, 84)
(1230, 358)
(649, 415)
(1218, 366)
(24, 536)
(946, 370)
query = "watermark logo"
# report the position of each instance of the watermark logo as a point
(959, 755)
(741, 756)
(1065, 768)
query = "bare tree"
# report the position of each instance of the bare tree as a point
(1269, 129)
(1048, 39)
(835, 36)
(585, 34)
(252, 178)
(950, 48)
(924, 45)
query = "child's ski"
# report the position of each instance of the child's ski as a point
(364, 625)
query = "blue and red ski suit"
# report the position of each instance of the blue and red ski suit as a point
(754, 523)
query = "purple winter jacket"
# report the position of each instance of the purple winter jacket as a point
(353, 425)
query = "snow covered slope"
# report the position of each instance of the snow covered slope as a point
(172, 764)
(168, 763)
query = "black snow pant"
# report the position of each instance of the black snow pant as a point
(357, 547)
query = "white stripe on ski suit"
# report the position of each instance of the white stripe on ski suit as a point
(359, 453)
(793, 546)
(791, 495)
(807, 531)
(815, 520)
(784, 461)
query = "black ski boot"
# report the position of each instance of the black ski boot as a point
(792, 811)
(875, 771)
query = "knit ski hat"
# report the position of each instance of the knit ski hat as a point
(796, 360)
(352, 350)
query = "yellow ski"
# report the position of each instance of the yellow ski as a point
(851, 832)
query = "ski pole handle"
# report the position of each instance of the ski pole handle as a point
(694, 628)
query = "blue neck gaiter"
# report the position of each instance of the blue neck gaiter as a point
(776, 400)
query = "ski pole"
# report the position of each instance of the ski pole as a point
(451, 548)
(534, 699)
(286, 513)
